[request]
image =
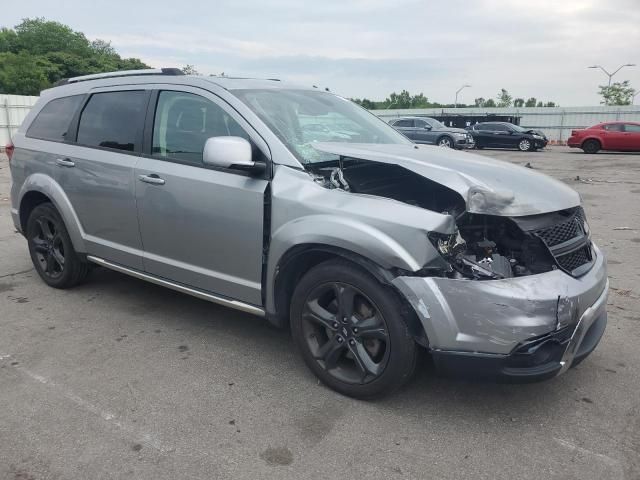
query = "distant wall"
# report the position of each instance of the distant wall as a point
(13, 109)
(555, 122)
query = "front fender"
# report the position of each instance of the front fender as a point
(39, 182)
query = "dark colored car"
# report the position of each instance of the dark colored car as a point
(620, 136)
(506, 135)
(431, 131)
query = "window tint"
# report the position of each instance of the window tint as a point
(53, 120)
(500, 128)
(630, 127)
(403, 123)
(185, 121)
(113, 120)
(485, 126)
(613, 127)
(421, 123)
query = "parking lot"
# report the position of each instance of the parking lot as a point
(123, 379)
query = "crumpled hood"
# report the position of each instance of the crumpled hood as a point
(488, 186)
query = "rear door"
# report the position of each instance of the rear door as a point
(487, 134)
(632, 136)
(97, 172)
(200, 226)
(406, 127)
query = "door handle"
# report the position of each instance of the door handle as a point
(152, 179)
(65, 162)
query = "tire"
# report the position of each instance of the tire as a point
(591, 146)
(445, 141)
(51, 250)
(369, 355)
(479, 147)
(525, 145)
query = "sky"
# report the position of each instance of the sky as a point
(370, 48)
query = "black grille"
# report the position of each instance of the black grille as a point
(573, 260)
(561, 232)
(572, 228)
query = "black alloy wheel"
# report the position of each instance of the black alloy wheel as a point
(51, 249)
(351, 330)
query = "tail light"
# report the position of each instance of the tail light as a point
(9, 148)
(574, 133)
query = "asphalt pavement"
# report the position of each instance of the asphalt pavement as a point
(122, 379)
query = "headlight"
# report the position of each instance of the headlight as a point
(460, 135)
(537, 137)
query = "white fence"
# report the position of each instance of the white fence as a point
(556, 122)
(13, 109)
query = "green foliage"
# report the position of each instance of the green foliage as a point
(190, 70)
(38, 53)
(531, 102)
(480, 102)
(518, 102)
(490, 103)
(504, 99)
(618, 93)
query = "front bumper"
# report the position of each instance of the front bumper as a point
(463, 143)
(522, 328)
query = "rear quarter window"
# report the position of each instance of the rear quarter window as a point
(54, 119)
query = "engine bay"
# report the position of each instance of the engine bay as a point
(484, 247)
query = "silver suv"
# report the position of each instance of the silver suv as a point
(299, 206)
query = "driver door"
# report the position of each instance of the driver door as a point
(200, 226)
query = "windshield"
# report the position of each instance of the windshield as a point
(302, 117)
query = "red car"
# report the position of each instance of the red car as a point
(621, 136)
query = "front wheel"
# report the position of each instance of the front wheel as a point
(51, 249)
(350, 331)
(446, 142)
(524, 145)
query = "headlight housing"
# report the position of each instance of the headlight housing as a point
(460, 135)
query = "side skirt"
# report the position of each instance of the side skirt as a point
(245, 307)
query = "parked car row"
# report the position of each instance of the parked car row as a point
(485, 134)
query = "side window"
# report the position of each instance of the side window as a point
(53, 120)
(631, 127)
(404, 123)
(113, 120)
(183, 123)
(420, 123)
(613, 127)
(486, 127)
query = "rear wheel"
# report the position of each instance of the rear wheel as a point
(525, 145)
(51, 249)
(445, 142)
(591, 146)
(350, 331)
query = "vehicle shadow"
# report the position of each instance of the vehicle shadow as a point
(271, 348)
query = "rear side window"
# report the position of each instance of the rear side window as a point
(113, 120)
(630, 127)
(183, 123)
(613, 127)
(54, 119)
(403, 123)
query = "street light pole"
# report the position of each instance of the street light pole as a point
(610, 75)
(455, 105)
(633, 99)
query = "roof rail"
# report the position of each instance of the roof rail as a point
(122, 73)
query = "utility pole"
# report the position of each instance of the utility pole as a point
(610, 75)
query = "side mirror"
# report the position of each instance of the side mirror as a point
(230, 152)
(428, 127)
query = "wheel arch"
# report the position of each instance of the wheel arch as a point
(39, 188)
(299, 259)
(592, 138)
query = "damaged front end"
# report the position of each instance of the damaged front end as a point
(517, 290)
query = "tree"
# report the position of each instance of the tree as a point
(540, 104)
(190, 70)
(531, 102)
(480, 102)
(504, 99)
(550, 104)
(37, 53)
(618, 93)
(518, 102)
(490, 103)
